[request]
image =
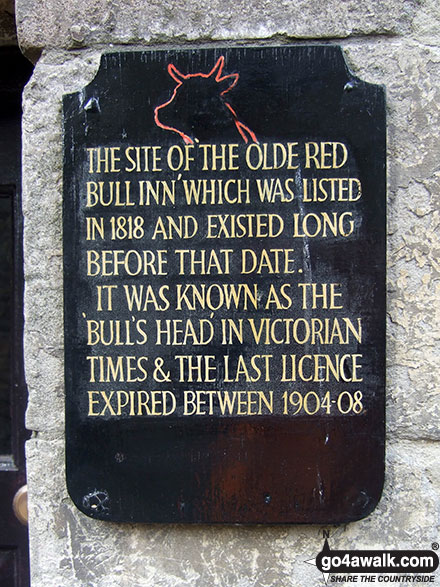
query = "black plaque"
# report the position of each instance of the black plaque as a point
(224, 259)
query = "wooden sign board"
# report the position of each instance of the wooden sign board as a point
(224, 258)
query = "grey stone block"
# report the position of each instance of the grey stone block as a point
(43, 245)
(411, 74)
(54, 23)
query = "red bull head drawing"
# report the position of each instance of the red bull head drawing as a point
(210, 111)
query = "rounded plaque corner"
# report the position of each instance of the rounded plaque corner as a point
(72, 99)
(94, 504)
(354, 81)
(368, 503)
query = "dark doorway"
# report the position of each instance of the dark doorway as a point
(15, 70)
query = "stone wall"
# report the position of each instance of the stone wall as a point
(385, 42)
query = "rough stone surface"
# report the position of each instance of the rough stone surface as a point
(411, 74)
(68, 549)
(56, 23)
(426, 21)
(42, 209)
